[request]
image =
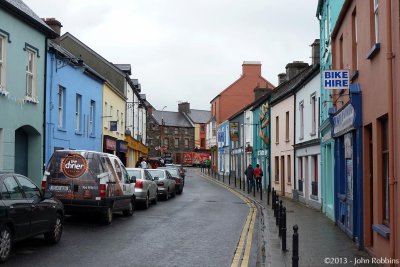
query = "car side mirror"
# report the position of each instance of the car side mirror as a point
(133, 179)
(48, 195)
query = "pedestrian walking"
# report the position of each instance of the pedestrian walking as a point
(143, 164)
(249, 172)
(258, 173)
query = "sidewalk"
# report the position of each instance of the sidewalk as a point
(320, 241)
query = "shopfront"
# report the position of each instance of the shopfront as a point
(347, 133)
(134, 151)
(109, 144)
(122, 149)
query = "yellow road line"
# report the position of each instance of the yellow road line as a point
(247, 231)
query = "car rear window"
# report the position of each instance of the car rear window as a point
(135, 173)
(157, 173)
(173, 172)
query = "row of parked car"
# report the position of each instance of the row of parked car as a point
(78, 182)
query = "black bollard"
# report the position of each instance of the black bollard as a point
(254, 188)
(273, 199)
(235, 179)
(276, 209)
(261, 192)
(229, 178)
(244, 184)
(295, 254)
(268, 193)
(284, 229)
(280, 218)
(240, 183)
(223, 177)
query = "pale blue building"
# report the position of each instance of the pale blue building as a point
(22, 65)
(327, 13)
(74, 103)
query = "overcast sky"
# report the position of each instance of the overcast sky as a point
(189, 50)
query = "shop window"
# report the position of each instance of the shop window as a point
(385, 169)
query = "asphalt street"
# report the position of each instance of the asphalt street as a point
(201, 227)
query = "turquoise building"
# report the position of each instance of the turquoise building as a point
(327, 14)
(23, 37)
(262, 136)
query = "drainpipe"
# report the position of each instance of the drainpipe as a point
(392, 180)
(44, 106)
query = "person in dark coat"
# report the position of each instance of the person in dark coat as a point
(249, 172)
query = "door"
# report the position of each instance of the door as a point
(21, 152)
(41, 211)
(283, 175)
(19, 209)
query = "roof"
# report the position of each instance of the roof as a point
(171, 118)
(286, 88)
(19, 8)
(199, 116)
(125, 68)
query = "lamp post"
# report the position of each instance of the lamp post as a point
(162, 131)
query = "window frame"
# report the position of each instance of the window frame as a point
(3, 62)
(176, 142)
(313, 100)
(277, 130)
(92, 114)
(186, 142)
(301, 111)
(61, 107)
(30, 74)
(287, 126)
(78, 113)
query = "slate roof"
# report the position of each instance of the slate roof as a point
(19, 8)
(199, 116)
(287, 88)
(171, 118)
(125, 68)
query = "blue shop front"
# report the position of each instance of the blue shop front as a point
(347, 133)
(223, 148)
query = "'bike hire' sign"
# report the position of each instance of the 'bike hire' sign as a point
(336, 79)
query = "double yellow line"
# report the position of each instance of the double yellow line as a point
(246, 237)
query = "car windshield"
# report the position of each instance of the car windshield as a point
(157, 173)
(136, 173)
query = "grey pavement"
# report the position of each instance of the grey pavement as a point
(321, 242)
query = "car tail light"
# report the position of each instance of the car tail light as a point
(160, 183)
(177, 180)
(139, 184)
(102, 190)
(44, 185)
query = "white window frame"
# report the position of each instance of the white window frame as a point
(31, 74)
(78, 112)
(301, 108)
(313, 100)
(122, 121)
(376, 20)
(105, 114)
(91, 117)
(61, 107)
(2, 63)
(111, 115)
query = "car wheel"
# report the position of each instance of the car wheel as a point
(147, 201)
(129, 211)
(108, 216)
(5, 243)
(55, 233)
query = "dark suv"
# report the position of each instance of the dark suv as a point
(25, 211)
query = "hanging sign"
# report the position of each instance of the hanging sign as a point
(336, 79)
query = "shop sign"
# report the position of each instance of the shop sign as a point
(344, 120)
(234, 131)
(336, 79)
(74, 166)
(221, 137)
(263, 152)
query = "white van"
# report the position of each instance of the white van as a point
(87, 181)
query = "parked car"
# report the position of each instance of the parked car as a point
(90, 181)
(145, 186)
(182, 171)
(25, 212)
(165, 182)
(178, 179)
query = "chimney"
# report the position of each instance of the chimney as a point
(184, 107)
(294, 68)
(315, 52)
(55, 25)
(251, 68)
(259, 92)
(281, 78)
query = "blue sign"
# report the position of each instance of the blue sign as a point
(221, 137)
(336, 79)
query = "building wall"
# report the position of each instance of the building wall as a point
(223, 140)
(22, 115)
(118, 102)
(74, 82)
(283, 147)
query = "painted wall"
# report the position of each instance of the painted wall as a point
(74, 81)
(283, 147)
(21, 114)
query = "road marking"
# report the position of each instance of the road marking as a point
(246, 236)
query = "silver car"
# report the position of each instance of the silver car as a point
(165, 182)
(145, 186)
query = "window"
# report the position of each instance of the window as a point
(31, 74)
(176, 142)
(341, 52)
(313, 114)
(202, 128)
(314, 183)
(385, 169)
(110, 115)
(176, 131)
(289, 169)
(203, 143)
(117, 115)
(376, 20)
(277, 169)
(300, 176)
(2, 62)
(186, 131)
(61, 106)
(91, 117)
(287, 126)
(165, 130)
(166, 141)
(78, 113)
(301, 120)
(354, 41)
(14, 191)
(186, 143)
(277, 130)
(29, 188)
(122, 120)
